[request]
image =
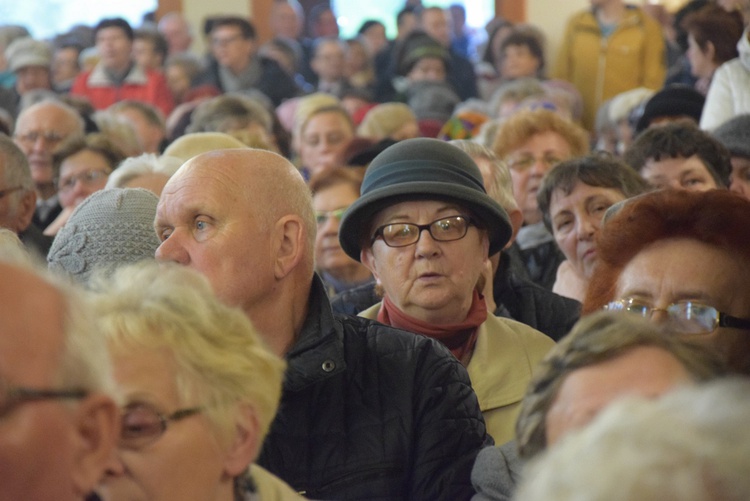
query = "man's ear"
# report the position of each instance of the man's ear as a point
(97, 429)
(516, 221)
(289, 244)
(26, 209)
(245, 445)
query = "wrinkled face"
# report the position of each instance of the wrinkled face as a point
(114, 48)
(30, 345)
(229, 47)
(679, 173)
(701, 62)
(519, 62)
(529, 163)
(644, 371)
(740, 178)
(65, 65)
(324, 139)
(329, 256)
(576, 219)
(328, 62)
(38, 132)
(675, 270)
(185, 462)
(31, 78)
(429, 280)
(437, 24)
(82, 174)
(205, 221)
(428, 69)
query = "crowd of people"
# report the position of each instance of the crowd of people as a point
(369, 268)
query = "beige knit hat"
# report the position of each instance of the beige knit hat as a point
(28, 52)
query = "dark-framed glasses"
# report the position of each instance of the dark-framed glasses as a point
(13, 396)
(88, 178)
(688, 317)
(322, 216)
(445, 229)
(143, 425)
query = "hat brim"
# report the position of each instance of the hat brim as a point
(359, 215)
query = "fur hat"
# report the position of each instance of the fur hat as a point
(110, 228)
(422, 169)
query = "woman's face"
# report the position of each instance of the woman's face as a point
(740, 178)
(324, 140)
(702, 64)
(81, 174)
(185, 462)
(430, 280)
(519, 62)
(576, 219)
(329, 256)
(679, 173)
(178, 80)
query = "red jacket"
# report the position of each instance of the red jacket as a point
(147, 86)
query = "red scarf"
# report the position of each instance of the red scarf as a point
(458, 338)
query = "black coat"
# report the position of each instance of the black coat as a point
(371, 412)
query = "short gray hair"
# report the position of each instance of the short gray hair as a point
(148, 163)
(500, 187)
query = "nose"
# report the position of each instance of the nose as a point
(331, 225)
(426, 246)
(737, 186)
(114, 466)
(586, 228)
(172, 250)
(539, 168)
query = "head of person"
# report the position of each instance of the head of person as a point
(180, 70)
(531, 143)
(679, 155)
(436, 22)
(114, 44)
(389, 120)
(372, 34)
(672, 103)
(39, 131)
(286, 19)
(328, 59)
(233, 42)
(65, 66)
(687, 266)
(244, 219)
(417, 185)
(177, 31)
(421, 58)
(17, 195)
(734, 134)
(574, 197)
(147, 121)
(522, 55)
(497, 31)
(54, 380)
(236, 115)
(322, 22)
(712, 38)
(605, 357)
(689, 443)
(145, 171)
(150, 49)
(31, 61)
(332, 193)
(191, 421)
(324, 136)
(406, 22)
(83, 166)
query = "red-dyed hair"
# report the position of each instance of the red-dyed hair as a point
(717, 217)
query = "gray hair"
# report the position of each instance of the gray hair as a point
(148, 163)
(500, 187)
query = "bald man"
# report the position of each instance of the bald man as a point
(58, 428)
(359, 416)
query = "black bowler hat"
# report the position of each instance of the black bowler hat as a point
(422, 169)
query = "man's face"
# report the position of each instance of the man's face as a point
(39, 131)
(114, 48)
(31, 78)
(207, 220)
(284, 21)
(436, 24)
(177, 34)
(145, 56)
(328, 62)
(30, 349)
(230, 48)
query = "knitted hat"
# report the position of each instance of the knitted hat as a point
(672, 101)
(28, 52)
(422, 169)
(110, 228)
(190, 145)
(734, 134)
(432, 100)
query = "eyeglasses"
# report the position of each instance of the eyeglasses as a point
(223, 42)
(142, 424)
(12, 397)
(527, 161)
(687, 317)
(8, 191)
(88, 178)
(322, 216)
(446, 229)
(32, 137)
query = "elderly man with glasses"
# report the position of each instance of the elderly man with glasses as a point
(57, 426)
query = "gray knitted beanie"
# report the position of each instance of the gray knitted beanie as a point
(734, 134)
(110, 228)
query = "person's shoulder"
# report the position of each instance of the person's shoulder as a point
(534, 341)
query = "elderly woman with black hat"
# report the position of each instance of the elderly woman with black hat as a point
(426, 227)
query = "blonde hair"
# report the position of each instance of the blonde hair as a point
(385, 119)
(221, 362)
(522, 126)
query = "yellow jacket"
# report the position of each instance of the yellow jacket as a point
(600, 68)
(500, 369)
